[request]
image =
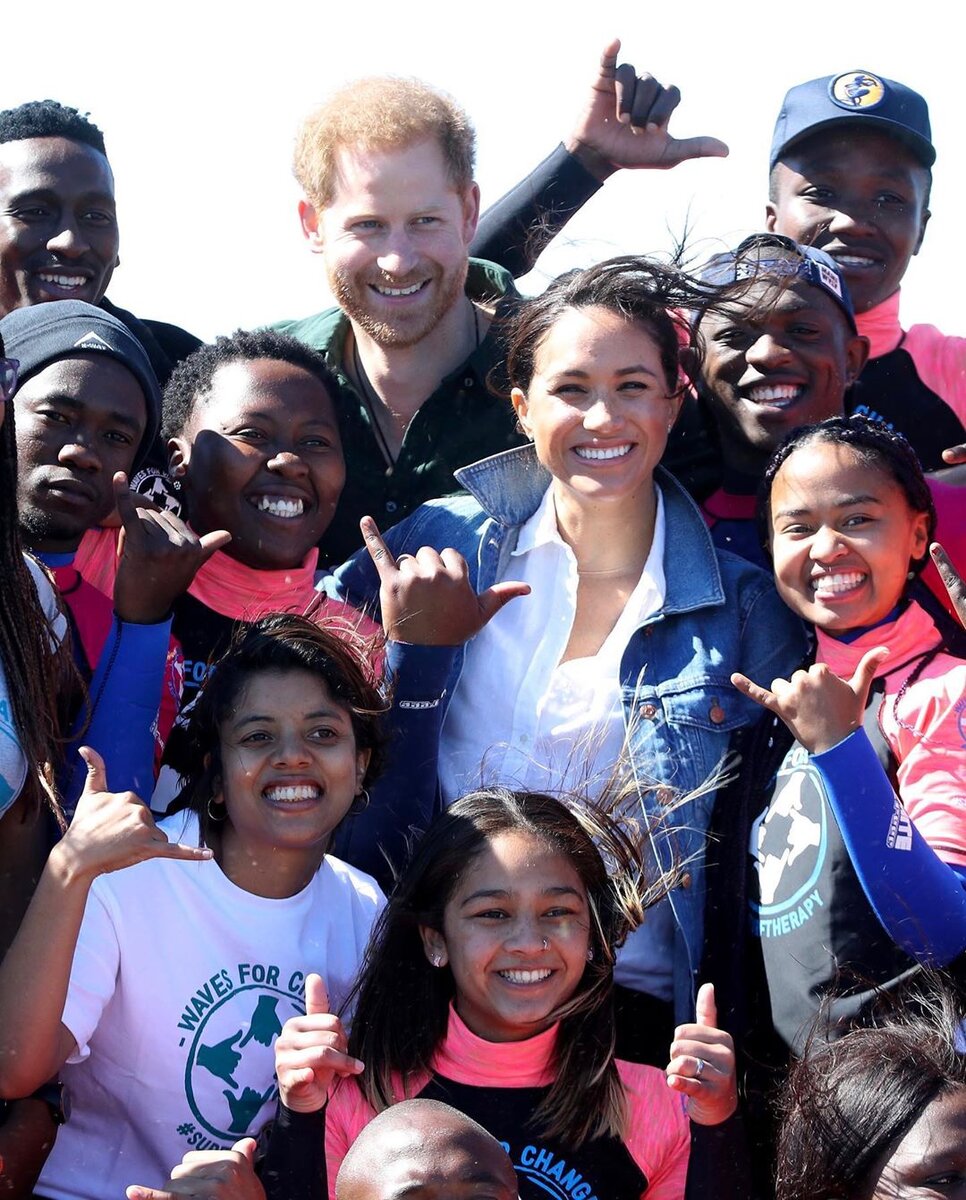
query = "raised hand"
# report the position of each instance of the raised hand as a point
(210, 1175)
(158, 556)
(427, 598)
(819, 708)
(702, 1064)
(311, 1052)
(111, 830)
(953, 582)
(624, 122)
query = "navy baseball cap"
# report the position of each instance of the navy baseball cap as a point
(40, 334)
(773, 255)
(860, 98)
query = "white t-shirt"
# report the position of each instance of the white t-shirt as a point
(181, 983)
(13, 762)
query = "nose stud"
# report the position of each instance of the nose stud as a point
(546, 944)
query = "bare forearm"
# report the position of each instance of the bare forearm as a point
(34, 978)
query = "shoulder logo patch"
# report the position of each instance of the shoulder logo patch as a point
(92, 341)
(857, 89)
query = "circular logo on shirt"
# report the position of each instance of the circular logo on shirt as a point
(789, 840)
(857, 90)
(230, 1072)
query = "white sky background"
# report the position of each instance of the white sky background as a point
(199, 103)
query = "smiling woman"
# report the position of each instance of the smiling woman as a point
(238, 904)
(619, 653)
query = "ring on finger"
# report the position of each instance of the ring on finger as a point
(699, 1070)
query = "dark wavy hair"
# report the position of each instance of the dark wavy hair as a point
(278, 642)
(849, 1103)
(640, 289)
(402, 1002)
(876, 445)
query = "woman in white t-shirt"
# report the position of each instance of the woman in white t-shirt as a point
(157, 991)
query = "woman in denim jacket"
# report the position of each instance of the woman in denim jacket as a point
(626, 622)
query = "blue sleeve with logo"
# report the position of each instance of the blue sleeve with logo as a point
(919, 899)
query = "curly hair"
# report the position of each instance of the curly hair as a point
(381, 113)
(193, 377)
(48, 118)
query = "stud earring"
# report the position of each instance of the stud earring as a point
(590, 954)
(437, 960)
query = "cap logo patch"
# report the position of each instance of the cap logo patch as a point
(92, 341)
(829, 278)
(857, 90)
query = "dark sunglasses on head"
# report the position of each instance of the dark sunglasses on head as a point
(8, 377)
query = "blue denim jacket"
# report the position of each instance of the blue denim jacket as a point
(720, 615)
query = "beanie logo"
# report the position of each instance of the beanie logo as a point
(92, 341)
(857, 90)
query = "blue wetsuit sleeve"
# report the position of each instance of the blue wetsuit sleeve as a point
(514, 231)
(919, 899)
(404, 800)
(125, 694)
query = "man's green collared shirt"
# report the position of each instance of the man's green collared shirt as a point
(462, 421)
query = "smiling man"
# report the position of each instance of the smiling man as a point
(386, 166)
(58, 223)
(850, 165)
(851, 172)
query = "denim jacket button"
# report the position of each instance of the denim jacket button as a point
(664, 796)
(648, 711)
(686, 880)
(716, 713)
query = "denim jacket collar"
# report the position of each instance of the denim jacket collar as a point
(510, 486)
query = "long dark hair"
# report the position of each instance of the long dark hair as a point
(848, 1103)
(36, 670)
(402, 1002)
(278, 642)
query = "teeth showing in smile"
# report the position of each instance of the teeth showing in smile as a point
(409, 291)
(854, 260)
(598, 452)
(64, 281)
(831, 585)
(526, 976)
(289, 795)
(776, 395)
(277, 507)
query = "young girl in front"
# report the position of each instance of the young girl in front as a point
(162, 986)
(489, 986)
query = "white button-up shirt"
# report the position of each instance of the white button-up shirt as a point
(522, 719)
